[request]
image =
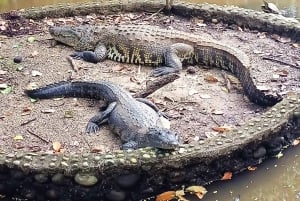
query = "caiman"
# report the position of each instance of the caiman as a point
(168, 49)
(136, 121)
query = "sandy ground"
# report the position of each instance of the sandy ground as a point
(194, 105)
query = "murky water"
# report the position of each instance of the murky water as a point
(292, 6)
(274, 180)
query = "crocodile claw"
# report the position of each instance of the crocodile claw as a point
(91, 127)
(77, 55)
(163, 71)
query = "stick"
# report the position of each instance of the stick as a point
(280, 62)
(32, 133)
(27, 122)
(153, 85)
(73, 65)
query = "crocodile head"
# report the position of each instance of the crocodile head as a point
(163, 138)
(67, 35)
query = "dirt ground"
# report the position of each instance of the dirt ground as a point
(197, 104)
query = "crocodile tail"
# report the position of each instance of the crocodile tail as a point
(99, 91)
(237, 62)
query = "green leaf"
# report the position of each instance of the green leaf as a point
(7, 90)
(31, 39)
(19, 67)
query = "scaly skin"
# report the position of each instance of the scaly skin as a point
(134, 175)
(168, 49)
(136, 121)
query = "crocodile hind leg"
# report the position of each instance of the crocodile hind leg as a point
(96, 56)
(94, 122)
(172, 56)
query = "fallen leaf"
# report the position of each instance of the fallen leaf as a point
(69, 114)
(31, 86)
(166, 196)
(27, 109)
(31, 39)
(221, 129)
(227, 176)
(263, 88)
(34, 53)
(199, 191)
(35, 73)
(3, 72)
(192, 92)
(210, 78)
(97, 149)
(217, 112)
(283, 73)
(47, 111)
(279, 155)
(295, 45)
(7, 90)
(252, 168)
(118, 67)
(205, 96)
(296, 142)
(18, 137)
(56, 146)
(165, 122)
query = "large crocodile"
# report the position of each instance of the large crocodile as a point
(133, 175)
(136, 121)
(151, 45)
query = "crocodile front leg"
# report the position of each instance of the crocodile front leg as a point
(94, 122)
(172, 57)
(96, 56)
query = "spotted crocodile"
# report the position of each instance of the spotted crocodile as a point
(168, 49)
(136, 121)
(124, 175)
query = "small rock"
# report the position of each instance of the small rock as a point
(215, 21)
(35, 73)
(260, 152)
(18, 59)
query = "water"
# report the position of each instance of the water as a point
(293, 6)
(274, 180)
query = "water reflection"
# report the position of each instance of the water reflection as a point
(274, 180)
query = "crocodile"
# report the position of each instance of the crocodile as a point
(154, 46)
(136, 120)
(134, 175)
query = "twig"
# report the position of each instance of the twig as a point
(73, 65)
(151, 16)
(32, 133)
(214, 120)
(280, 62)
(153, 85)
(27, 122)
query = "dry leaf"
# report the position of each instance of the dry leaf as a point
(192, 92)
(35, 73)
(296, 142)
(118, 68)
(56, 146)
(166, 196)
(31, 86)
(97, 149)
(199, 191)
(3, 86)
(210, 78)
(221, 129)
(217, 112)
(205, 96)
(252, 168)
(296, 45)
(227, 176)
(46, 111)
(283, 73)
(18, 137)
(34, 53)
(263, 88)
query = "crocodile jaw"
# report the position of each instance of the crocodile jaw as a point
(163, 138)
(66, 35)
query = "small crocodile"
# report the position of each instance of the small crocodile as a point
(168, 49)
(136, 121)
